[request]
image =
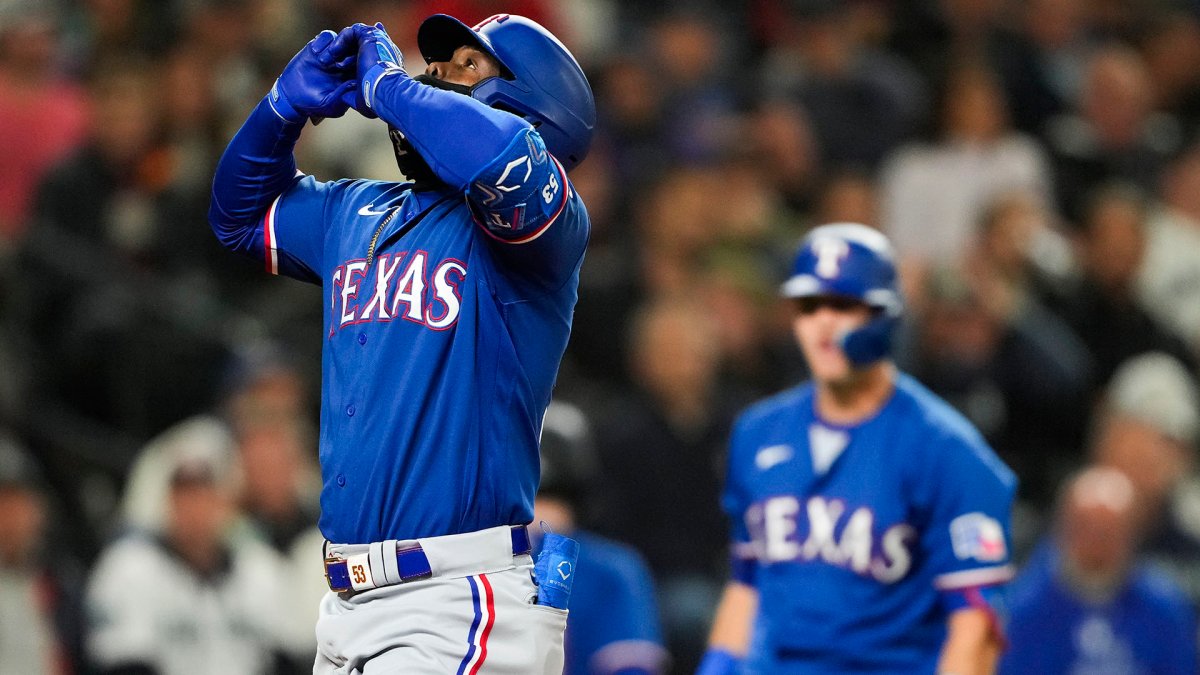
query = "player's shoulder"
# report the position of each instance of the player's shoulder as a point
(775, 407)
(933, 426)
(1160, 590)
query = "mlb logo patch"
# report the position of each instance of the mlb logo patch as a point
(979, 536)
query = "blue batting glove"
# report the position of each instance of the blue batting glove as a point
(378, 57)
(318, 79)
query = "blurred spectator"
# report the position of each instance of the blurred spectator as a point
(613, 627)
(778, 135)
(43, 112)
(1020, 377)
(631, 113)
(1102, 306)
(1148, 428)
(1168, 281)
(674, 425)
(184, 597)
(1170, 45)
(112, 282)
(1087, 604)
(1115, 134)
(861, 102)
(39, 588)
(1043, 62)
(276, 448)
(847, 197)
(693, 62)
(933, 195)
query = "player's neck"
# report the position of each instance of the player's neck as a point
(857, 397)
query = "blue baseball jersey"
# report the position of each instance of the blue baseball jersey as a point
(862, 539)
(1148, 626)
(613, 625)
(446, 314)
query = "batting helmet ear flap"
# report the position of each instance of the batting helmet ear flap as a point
(871, 342)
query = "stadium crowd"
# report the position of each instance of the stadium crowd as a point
(1036, 162)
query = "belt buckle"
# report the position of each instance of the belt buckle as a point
(337, 574)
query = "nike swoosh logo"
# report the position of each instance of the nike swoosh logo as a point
(769, 456)
(366, 211)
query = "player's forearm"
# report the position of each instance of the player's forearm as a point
(256, 167)
(456, 135)
(972, 644)
(734, 619)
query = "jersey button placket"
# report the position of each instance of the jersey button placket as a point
(350, 410)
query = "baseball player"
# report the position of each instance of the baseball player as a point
(613, 628)
(870, 520)
(448, 303)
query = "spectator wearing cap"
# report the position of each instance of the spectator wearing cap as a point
(38, 589)
(1087, 604)
(613, 625)
(1147, 428)
(179, 594)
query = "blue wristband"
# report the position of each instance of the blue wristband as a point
(283, 107)
(718, 662)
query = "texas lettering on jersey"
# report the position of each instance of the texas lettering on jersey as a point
(834, 535)
(405, 285)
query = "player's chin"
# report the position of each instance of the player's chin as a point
(830, 368)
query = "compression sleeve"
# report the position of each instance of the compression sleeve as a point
(257, 167)
(457, 136)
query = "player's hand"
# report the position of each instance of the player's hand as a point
(378, 57)
(319, 81)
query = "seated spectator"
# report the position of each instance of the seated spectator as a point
(613, 625)
(1116, 133)
(39, 591)
(184, 597)
(1148, 428)
(933, 194)
(674, 426)
(1087, 604)
(1103, 307)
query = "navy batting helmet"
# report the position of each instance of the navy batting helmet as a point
(540, 81)
(853, 261)
(567, 452)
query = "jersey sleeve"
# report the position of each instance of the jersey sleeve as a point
(528, 208)
(262, 207)
(967, 542)
(735, 500)
(294, 227)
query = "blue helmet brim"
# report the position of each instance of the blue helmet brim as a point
(441, 34)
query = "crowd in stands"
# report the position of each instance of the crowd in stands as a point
(1036, 163)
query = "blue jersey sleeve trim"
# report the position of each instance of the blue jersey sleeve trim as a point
(980, 576)
(987, 599)
(743, 564)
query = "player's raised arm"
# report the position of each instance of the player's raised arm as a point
(729, 639)
(501, 113)
(973, 643)
(258, 165)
